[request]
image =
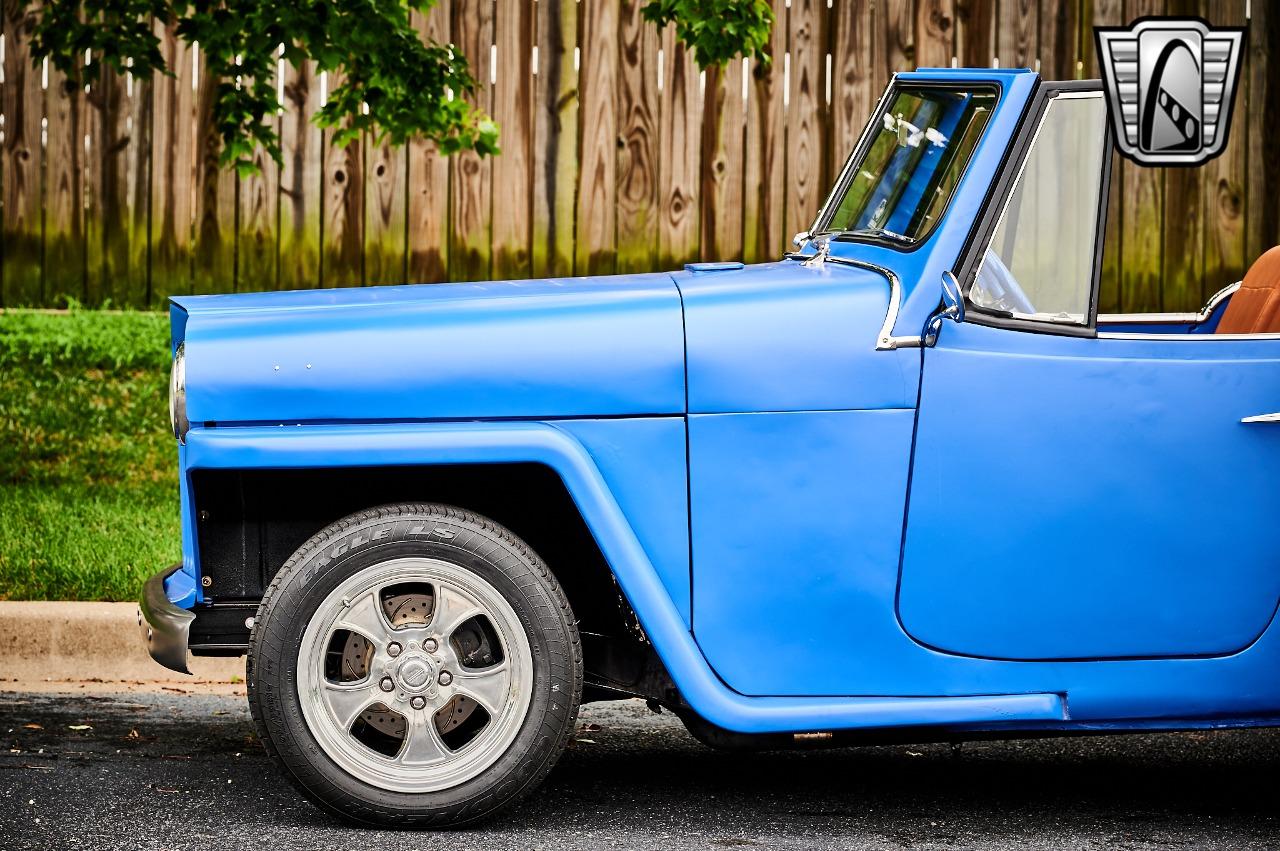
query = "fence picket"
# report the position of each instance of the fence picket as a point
(64, 258)
(596, 250)
(679, 124)
(173, 134)
(765, 167)
(428, 179)
(23, 97)
(637, 163)
(471, 177)
(807, 182)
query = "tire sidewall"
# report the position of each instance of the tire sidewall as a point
(357, 543)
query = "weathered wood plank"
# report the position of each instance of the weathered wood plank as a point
(22, 99)
(895, 21)
(385, 211)
(513, 168)
(1224, 179)
(1263, 102)
(807, 183)
(596, 250)
(555, 149)
(1109, 13)
(1016, 33)
(852, 93)
(172, 169)
(64, 257)
(257, 236)
(723, 140)
(301, 179)
(116, 268)
(765, 168)
(342, 228)
(138, 181)
(1058, 40)
(428, 179)
(637, 161)
(935, 34)
(215, 206)
(1142, 243)
(975, 32)
(680, 123)
(471, 180)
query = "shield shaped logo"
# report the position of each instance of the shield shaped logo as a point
(1170, 84)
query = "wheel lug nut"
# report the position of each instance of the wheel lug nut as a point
(387, 684)
(393, 650)
(418, 702)
(430, 645)
(445, 678)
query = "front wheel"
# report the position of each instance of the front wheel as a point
(415, 665)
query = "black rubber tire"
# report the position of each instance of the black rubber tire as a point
(495, 555)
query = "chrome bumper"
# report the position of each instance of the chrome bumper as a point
(165, 627)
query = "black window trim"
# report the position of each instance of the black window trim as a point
(984, 229)
(829, 207)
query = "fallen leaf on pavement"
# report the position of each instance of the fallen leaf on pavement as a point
(37, 767)
(32, 727)
(163, 789)
(79, 727)
(134, 734)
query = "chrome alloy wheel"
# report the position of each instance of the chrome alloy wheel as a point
(414, 675)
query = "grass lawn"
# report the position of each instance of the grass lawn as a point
(88, 468)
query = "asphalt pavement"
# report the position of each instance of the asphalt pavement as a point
(179, 771)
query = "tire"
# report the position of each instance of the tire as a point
(506, 683)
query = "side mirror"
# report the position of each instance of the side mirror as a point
(952, 299)
(952, 308)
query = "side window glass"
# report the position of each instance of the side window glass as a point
(1040, 262)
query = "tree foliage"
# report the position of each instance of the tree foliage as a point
(717, 30)
(394, 85)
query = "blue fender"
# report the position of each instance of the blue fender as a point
(541, 442)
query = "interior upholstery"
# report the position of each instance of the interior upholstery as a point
(1255, 307)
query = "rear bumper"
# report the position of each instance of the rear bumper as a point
(166, 628)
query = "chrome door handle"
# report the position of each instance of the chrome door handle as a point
(1262, 418)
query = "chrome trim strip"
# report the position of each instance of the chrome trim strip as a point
(1203, 315)
(1262, 418)
(885, 341)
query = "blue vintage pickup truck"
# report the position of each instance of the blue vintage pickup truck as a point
(905, 483)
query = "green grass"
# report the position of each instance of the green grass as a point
(88, 468)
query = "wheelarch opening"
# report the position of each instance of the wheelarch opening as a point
(249, 522)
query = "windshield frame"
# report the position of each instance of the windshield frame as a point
(831, 205)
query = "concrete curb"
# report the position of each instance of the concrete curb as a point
(44, 642)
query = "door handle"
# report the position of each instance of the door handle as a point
(1262, 418)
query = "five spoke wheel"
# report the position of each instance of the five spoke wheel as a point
(414, 676)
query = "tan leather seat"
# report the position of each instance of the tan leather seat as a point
(1255, 307)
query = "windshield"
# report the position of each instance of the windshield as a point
(900, 188)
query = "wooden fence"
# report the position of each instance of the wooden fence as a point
(618, 154)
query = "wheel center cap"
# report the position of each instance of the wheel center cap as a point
(416, 673)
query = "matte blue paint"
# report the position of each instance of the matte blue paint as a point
(528, 349)
(642, 462)
(1094, 497)
(481, 443)
(797, 527)
(787, 337)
